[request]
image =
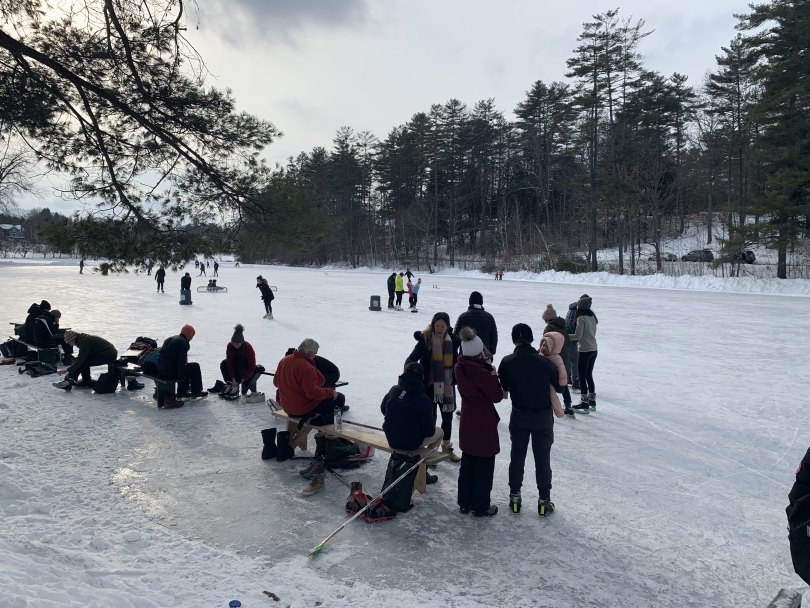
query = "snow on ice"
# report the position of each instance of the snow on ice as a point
(672, 494)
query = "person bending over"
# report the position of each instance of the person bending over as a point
(238, 365)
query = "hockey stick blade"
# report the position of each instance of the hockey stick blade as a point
(320, 547)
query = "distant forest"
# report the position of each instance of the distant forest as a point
(614, 156)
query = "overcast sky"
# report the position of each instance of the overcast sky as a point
(312, 66)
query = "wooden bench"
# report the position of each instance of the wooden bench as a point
(124, 371)
(46, 354)
(163, 388)
(358, 435)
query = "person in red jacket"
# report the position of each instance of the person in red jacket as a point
(480, 390)
(301, 386)
(238, 365)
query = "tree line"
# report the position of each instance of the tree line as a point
(111, 94)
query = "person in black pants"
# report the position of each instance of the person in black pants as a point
(267, 296)
(160, 277)
(47, 334)
(173, 364)
(526, 377)
(392, 283)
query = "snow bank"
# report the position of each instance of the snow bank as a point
(787, 287)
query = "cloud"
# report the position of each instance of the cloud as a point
(278, 20)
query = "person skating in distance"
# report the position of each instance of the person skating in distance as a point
(267, 296)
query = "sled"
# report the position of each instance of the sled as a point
(212, 289)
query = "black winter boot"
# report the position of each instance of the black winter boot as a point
(321, 443)
(284, 452)
(269, 438)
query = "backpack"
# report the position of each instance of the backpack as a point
(106, 383)
(342, 454)
(398, 499)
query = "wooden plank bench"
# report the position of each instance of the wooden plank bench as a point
(124, 371)
(163, 388)
(46, 354)
(357, 435)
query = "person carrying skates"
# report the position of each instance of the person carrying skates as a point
(526, 378)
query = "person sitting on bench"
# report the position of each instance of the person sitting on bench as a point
(409, 426)
(33, 312)
(238, 366)
(93, 351)
(173, 364)
(301, 387)
(330, 371)
(46, 334)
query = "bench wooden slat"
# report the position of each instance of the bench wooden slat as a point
(337, 385)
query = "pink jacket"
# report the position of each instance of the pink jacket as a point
(554, 342)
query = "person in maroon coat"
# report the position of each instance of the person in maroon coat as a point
(480, 390)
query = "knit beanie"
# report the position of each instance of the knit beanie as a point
(188, 331)
(471, 345)
(238, 336)
(70, 335)
(476, 298)
(45, 305)
(521, 331)
(585, 302)
(549, 314)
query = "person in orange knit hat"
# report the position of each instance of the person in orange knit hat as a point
(173, 364)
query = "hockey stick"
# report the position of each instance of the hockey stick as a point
(318, 548)
(365, 426)
(339, 476)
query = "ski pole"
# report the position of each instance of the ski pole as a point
(318, 548)
(365, 426)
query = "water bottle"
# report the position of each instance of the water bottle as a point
(338, 418)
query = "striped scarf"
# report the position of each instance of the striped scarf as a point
(442, 373)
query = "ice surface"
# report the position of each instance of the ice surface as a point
(672, 494)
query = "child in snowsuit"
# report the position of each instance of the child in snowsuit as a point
(550, 346)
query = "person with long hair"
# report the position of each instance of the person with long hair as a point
(585, 322)
(437, 350)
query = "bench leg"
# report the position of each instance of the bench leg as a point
(297, 438)
(420, 483)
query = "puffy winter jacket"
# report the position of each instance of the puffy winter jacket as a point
(399, 283)
(483, 323)
(392, 282)
(408, 414)
(160, 275)
(33, 312)
(173, 357)
(480, 391)
(45, 328)
(416, 287)
(267, 293)
(527, 376)
(569, 317)
(246, 351)
(559, 325)
(92, 346)
(300, 384)
(554, 341)
(185, 282)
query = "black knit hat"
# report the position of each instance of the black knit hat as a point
(45, 305)
(521, 331)
(476, 298)
(238, 336)
(585, 302)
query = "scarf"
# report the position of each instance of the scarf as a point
(442, 373)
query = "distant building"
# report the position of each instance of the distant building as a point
(11, 231)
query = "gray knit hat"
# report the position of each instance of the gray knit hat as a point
(238, 336)
(585, 302)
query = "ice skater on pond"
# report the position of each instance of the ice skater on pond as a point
(585, 323)
(267, 296)
(160, 278)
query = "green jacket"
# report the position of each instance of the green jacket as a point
(400, 284)
(91, 345)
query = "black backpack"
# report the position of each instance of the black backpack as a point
(106, 383)
(342, 454)
(398, 499)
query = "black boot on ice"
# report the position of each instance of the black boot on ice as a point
(569, 411)
(584, 406)
(592, 401)
(514, 502)
(545, 507)
(284, 451)
(269, 438)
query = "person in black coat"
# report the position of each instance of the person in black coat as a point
(173, 364)
(33, 312)
(160, 277)
(185, 281)
(409, 419)
(267, 296)
(392, 286)
(481, 321)
(47, 334)
(527, 377)
(422, 354)
(798, 514)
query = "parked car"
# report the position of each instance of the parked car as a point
(665, 257)
(745, 257)
(699, 255)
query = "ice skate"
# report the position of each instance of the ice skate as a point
(545, 507)
(514, 502)
(584, 406)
